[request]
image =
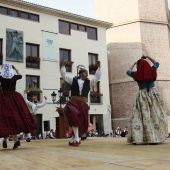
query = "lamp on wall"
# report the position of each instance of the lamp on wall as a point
(53, 96)
(63, 98)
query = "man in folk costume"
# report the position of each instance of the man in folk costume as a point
(76, 109)
(14, 114)
(33, 108)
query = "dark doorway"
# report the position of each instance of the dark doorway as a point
(39, 123)
(46, 126)
(61, 123)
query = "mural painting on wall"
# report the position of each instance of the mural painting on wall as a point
(14, 45)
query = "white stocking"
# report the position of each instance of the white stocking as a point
(29, 135)
(76, 132)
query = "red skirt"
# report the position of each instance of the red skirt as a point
(14, 115)
(76, 112)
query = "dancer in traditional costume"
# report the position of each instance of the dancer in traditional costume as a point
(148, 121)
(14, 114)
(76, 109)
(33, 107)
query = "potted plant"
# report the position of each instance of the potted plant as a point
(60, 110)
(95, 94)
(33, 58)
(93, 68)
(33, 90)
(69, 62)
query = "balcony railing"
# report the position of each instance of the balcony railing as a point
(34, 92)
(32, 64)
(96, 98)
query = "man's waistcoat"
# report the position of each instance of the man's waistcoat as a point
(75, 88)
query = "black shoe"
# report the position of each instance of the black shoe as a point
(4, 144)
(17, 143)
(28, 139)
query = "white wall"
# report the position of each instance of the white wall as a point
(49, 72)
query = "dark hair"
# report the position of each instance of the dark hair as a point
(82, 71)
(138, 62)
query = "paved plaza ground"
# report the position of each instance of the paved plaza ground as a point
(93, 154)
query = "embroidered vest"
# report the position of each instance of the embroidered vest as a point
(75, 88)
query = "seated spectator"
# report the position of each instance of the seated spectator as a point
(40, 136)
(118, 132)
(102, 134)
(124, 132)
(52, 134)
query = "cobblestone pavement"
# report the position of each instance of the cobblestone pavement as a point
(92, 154)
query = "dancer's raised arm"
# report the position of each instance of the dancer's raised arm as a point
(133, 65)
(64, 75)
(150, 58)
(97, 75)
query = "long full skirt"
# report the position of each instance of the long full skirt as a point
(14, 115)
(76, 112)
(148, 121)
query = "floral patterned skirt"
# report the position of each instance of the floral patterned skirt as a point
(148, 121)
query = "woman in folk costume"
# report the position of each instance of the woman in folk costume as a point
(14, 114)
(76, 109)
(148, 120)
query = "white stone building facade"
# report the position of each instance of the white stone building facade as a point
(77, 38)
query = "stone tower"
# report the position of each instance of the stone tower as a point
(140, 26)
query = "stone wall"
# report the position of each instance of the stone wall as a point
(123, 89)
(121, 57)
(140, 27)
(155, 41)
(153, 10)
